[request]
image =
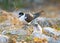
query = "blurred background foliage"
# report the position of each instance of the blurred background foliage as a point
(13, 4)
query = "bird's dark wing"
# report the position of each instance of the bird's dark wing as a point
(29, 18)
(36, 15)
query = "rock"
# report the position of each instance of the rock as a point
(4, 32)
(19, 32)
(52, 40)
(51, 31)
(15, 32)
(41, 21)
(5, 39)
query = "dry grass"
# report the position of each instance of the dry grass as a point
(14, 20)
(38, 40)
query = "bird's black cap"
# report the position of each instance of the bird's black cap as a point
(21, 13)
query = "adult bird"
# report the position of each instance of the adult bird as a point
(27, 18)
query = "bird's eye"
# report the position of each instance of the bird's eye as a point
(21, 13)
